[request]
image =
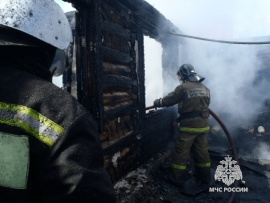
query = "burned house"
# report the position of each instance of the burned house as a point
(106, 74)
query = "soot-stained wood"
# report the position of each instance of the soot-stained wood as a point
(108, 77)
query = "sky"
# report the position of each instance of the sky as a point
(222, 19)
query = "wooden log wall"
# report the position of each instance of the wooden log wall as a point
(107, 71)
(120, 84)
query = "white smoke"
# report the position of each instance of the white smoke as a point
(262, 151)
(153, 70)
(218, 18)
(65, 5)
(231, 70)
(58, 81)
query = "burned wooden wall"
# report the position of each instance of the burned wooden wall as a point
(106, 75)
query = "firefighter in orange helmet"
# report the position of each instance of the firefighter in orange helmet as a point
(193, 99)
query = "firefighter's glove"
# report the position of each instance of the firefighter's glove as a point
(158, 103)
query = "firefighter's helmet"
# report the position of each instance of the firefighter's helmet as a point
(187, 72)
(42, 20)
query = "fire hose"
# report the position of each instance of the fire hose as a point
(231, 142)
(219, 41)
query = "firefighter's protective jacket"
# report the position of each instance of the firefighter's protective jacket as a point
(55, 138)
(191, 97)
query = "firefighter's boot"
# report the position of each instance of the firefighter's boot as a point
(203, 174)
(178, 177)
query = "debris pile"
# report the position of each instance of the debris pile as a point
(149, 183)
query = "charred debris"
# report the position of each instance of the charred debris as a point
(106, 74)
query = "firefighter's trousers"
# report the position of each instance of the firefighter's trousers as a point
(197, 144)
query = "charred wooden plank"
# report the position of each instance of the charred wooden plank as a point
(112, 14)
(117, 81)
(159, 124)
(122, 160)
(139, 49)
(116, 42)
(115, 69)
(131, 4)
(115, 56)
(124, 108)
(115, 29)
(156, 133)
(153, 22)
(116, 97)
(150, 19)
(82, 76)
(118, 127)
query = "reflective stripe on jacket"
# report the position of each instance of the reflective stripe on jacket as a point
(66, 158)
(195, 130)
(31, 121)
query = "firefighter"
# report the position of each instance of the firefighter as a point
(193, 99)
(49, 147)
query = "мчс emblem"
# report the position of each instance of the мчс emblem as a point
(228, 172)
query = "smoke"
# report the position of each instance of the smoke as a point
(234, 73)
(66, 8)
(231, 73)
(153, 70)
(217, 18)
(65, 5)
(262, 151)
